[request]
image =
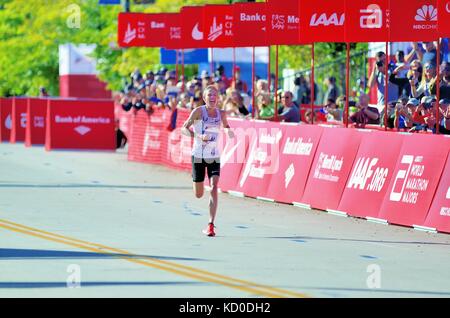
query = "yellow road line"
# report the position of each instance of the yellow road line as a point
(183, 270)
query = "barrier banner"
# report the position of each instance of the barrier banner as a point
(218, 21)
(367, 20)
(178, 151)
(439, 214)
(35, 129)
(250, 24)
(283, 22)
(192, 31)
(147, 137)
(331, 167)
(415, 179)
(18, 120)
(234, 153)
(444, 18)
(173, 31)
(298, 147)
(322, 21)
(142, 29)
(5, 119)
(413, 20)
(80, 124)
(371, 174)
(262, 159)
(124, 118)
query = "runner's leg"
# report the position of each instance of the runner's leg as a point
(213, 199)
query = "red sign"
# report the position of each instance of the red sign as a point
(173, 31)
(331, 167)
(192, 31)
(444, 18)
(413, 20)
(297, 152)
(367, 20)
(141, 29)
(5, 119)
(283, 22)
(415, 179)
(234, 153)
(19, 120)
(218, 21)
(87, 124)
(262, 160)
(36, 113)
(439, 214)
(322, 21)
(251, 24)
(371, 174)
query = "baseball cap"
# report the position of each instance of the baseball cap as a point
(427, 100)
(413, 101)
(444, 101)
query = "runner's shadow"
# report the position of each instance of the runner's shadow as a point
(31, 285)
(89, 186)
(28, 254)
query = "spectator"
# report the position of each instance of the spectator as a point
(444, 105)
(234, 104)
(302, 92)
(365, 114)
(444, 82)
(43, 92)
(427, 55)
(377, 78)
(332, 91)
(424, 117)
(332, 111)
(121, 139)
(265, 107)
(289, 112)
(414, 74)
(401, 64)
(424, 88)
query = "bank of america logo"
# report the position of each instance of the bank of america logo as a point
(82, 130)
(215, 31)
(426, 13)
(130, 34)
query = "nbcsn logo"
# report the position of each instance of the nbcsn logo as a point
(427, 14)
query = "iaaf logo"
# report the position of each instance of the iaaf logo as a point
(371, 17)
(130, 34)
(363, 171)
(326, 21)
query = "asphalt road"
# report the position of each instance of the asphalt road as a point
(92, 224)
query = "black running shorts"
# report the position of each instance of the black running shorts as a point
(199, 165)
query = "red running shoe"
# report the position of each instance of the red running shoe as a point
(209, 231)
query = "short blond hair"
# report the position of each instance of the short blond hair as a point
(210, 88)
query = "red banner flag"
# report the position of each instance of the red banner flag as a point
(250, 21)
(444, 18)
(218, 25)
(413, 20)
(322, 21)
(283, 22)
(173, 31)
(192, 31)
(367, 20)
(140, 29)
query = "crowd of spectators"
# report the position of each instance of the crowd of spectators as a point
(412, 104)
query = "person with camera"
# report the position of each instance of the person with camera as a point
(377, 77)
(444, 82)
(424, 116)
(365, 114)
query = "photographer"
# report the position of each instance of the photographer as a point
(377, 77)
(365, 114)
(444, 82)
(428, 80)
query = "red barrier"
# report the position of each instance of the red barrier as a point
(331, 167)
(19, 120)
(146, 141)
(262, 159)
(439, 214)
(371, 174)
(35, 128)
(234, 153)
(80, 124)
(297, 151)
(177, 151)
(5, 119)
(415, 179)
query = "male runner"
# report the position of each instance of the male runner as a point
(206, 122)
